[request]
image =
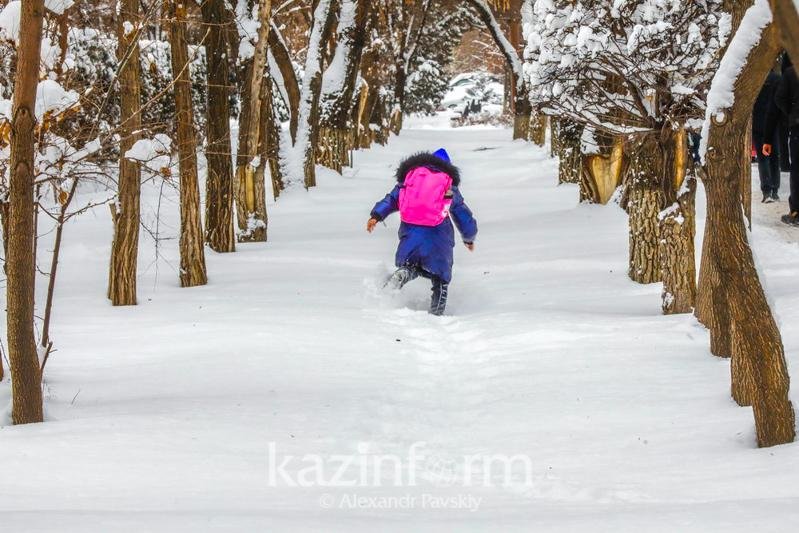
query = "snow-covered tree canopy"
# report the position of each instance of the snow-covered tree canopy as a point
(627, 65)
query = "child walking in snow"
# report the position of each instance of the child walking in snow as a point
(426, 195)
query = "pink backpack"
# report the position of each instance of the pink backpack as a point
(422, 198)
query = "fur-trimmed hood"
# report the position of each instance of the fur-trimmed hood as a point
(426, 159)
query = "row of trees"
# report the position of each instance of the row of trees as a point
(623, 85)
(118, 93)
(626, 86)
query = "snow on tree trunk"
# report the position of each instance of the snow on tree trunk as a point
(338, 86)
(26, 387)
(192, 247)
(124, 249)
(219, 232)
(299, 160)
(758, 344)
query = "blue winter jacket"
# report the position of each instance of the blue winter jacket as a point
(429, 247)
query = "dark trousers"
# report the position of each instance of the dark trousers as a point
(768, 167)
(793, 149)
(438, 301)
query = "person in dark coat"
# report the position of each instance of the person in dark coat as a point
(427, 250)
(768, 165)
(786, 99)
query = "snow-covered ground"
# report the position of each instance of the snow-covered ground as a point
(200, 408)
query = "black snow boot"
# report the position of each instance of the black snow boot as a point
(439, 300)
(401, 277)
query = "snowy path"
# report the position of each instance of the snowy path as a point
(162, 416)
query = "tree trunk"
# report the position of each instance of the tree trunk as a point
(250, 195)
(192, 252)
(758, 344)
(677, 262)
(522, 118)
(125, 247)
(333, 148)
(26, 389)
(645, 203)
(303, 151)
(366, 108)
(786, 16)
(538, 128)
(743, 387)
(282, 57)
(554, 136)
(219, 185)
(272, 140)
(677, 225)
(335, 133)
(746, 175)
(370, 72)
(265, 101)
(568, 151)
(399, 100)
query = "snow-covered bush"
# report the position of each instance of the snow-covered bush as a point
(475, 98)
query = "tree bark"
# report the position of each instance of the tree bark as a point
(677, 225)
(282, 57)
(522, 119)
(370, 72)
(677, 262)
(219, 232)
(554, 135)
(126, 211)
(646, 199)
(568, 151)
(264, 161)
(758, 344)
(250, 195)
(538, 128)
(26, 387)
(272, 140)
(787, 19)
(192, 247)
(399, 100)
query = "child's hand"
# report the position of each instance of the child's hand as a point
(469, 245)
(370, 226)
